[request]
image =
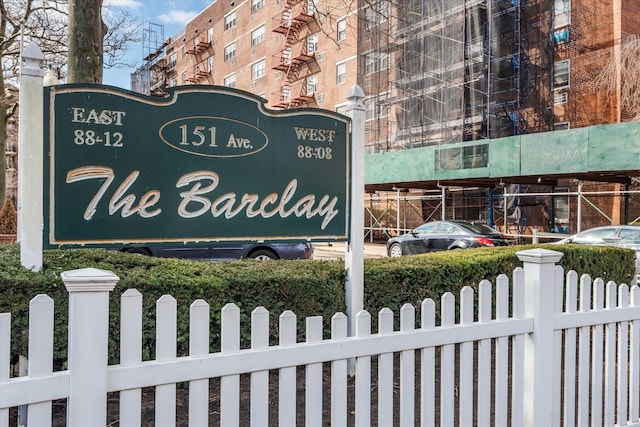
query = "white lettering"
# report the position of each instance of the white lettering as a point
(104, 117)
(119, 200)
(231, 204)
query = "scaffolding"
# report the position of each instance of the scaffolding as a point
(439, 72)
(447, 71)
(150, 78)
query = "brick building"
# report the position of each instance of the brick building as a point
(289, 52)
(434, 74)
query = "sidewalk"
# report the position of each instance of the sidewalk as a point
(336, 250)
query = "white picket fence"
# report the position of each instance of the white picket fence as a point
(544, 349)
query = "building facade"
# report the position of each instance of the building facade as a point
(435, 73)
(293, 53)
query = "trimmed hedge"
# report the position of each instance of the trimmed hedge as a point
(308, 288)
(392, 282)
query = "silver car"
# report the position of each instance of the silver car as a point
(624, 236)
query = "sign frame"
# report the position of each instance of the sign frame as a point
(95, 190)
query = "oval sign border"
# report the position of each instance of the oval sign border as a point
(266, 138)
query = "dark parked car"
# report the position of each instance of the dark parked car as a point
(445, 235)
(227, 251)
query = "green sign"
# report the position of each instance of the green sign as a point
(205, 164)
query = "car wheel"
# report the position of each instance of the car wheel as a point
(395, 250)
(138, 251)
(263, 255)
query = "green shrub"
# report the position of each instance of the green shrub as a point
(308, 288)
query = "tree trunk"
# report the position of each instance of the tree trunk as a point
(86, 32)
(3, 142)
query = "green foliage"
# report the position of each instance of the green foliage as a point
(391, 282)
(308, 288)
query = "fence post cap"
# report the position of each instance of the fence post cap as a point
(89, 280)
(539, 256)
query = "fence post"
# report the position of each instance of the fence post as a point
(539, 266)
(88, 344)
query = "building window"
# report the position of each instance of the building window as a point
(561, 36)
(183, 50)
(561, 211)
(256, 5)
(312, 5)
(230, 81)
(173, 82)
(210, 63)
(173, 60)
(312, 84)
(342, 30)
(341, 73)
(561, 71)
(560, 98)
(375, 61)
(369, 105)
(562, 13)
(561, 126)
(184, 77)
(375, 107)
(257, 36)
(257, 69)
(312, 44)
(230, 51)
(230, 21)
(210, 35)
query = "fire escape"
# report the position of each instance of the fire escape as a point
(297, 59)
(201, 72)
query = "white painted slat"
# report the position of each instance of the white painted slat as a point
(484, 357)
(407, 369)
(466, 359)
(166, 336)
(199, 347)
(363, 374)
(634, 361)
(623, 360)
(40, 353)
(385, 371)
(584, 355)
(260, 379)
(558, 300)
(610, 346)
(131, 354)
(230, 384)
(571, 307)
(502, 354)
(219, 365)
(427, 368)
(517, 358)
(597, 355)
(5, 359)
(313, 376)
(339, 374)
(287, 380)
(447, 363)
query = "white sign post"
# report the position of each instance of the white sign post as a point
(354, 256)
(30, 145)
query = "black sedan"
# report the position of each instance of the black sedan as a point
(443, 236)
(228, 251)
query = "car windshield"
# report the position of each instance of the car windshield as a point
(595, 236)
(478, 228)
